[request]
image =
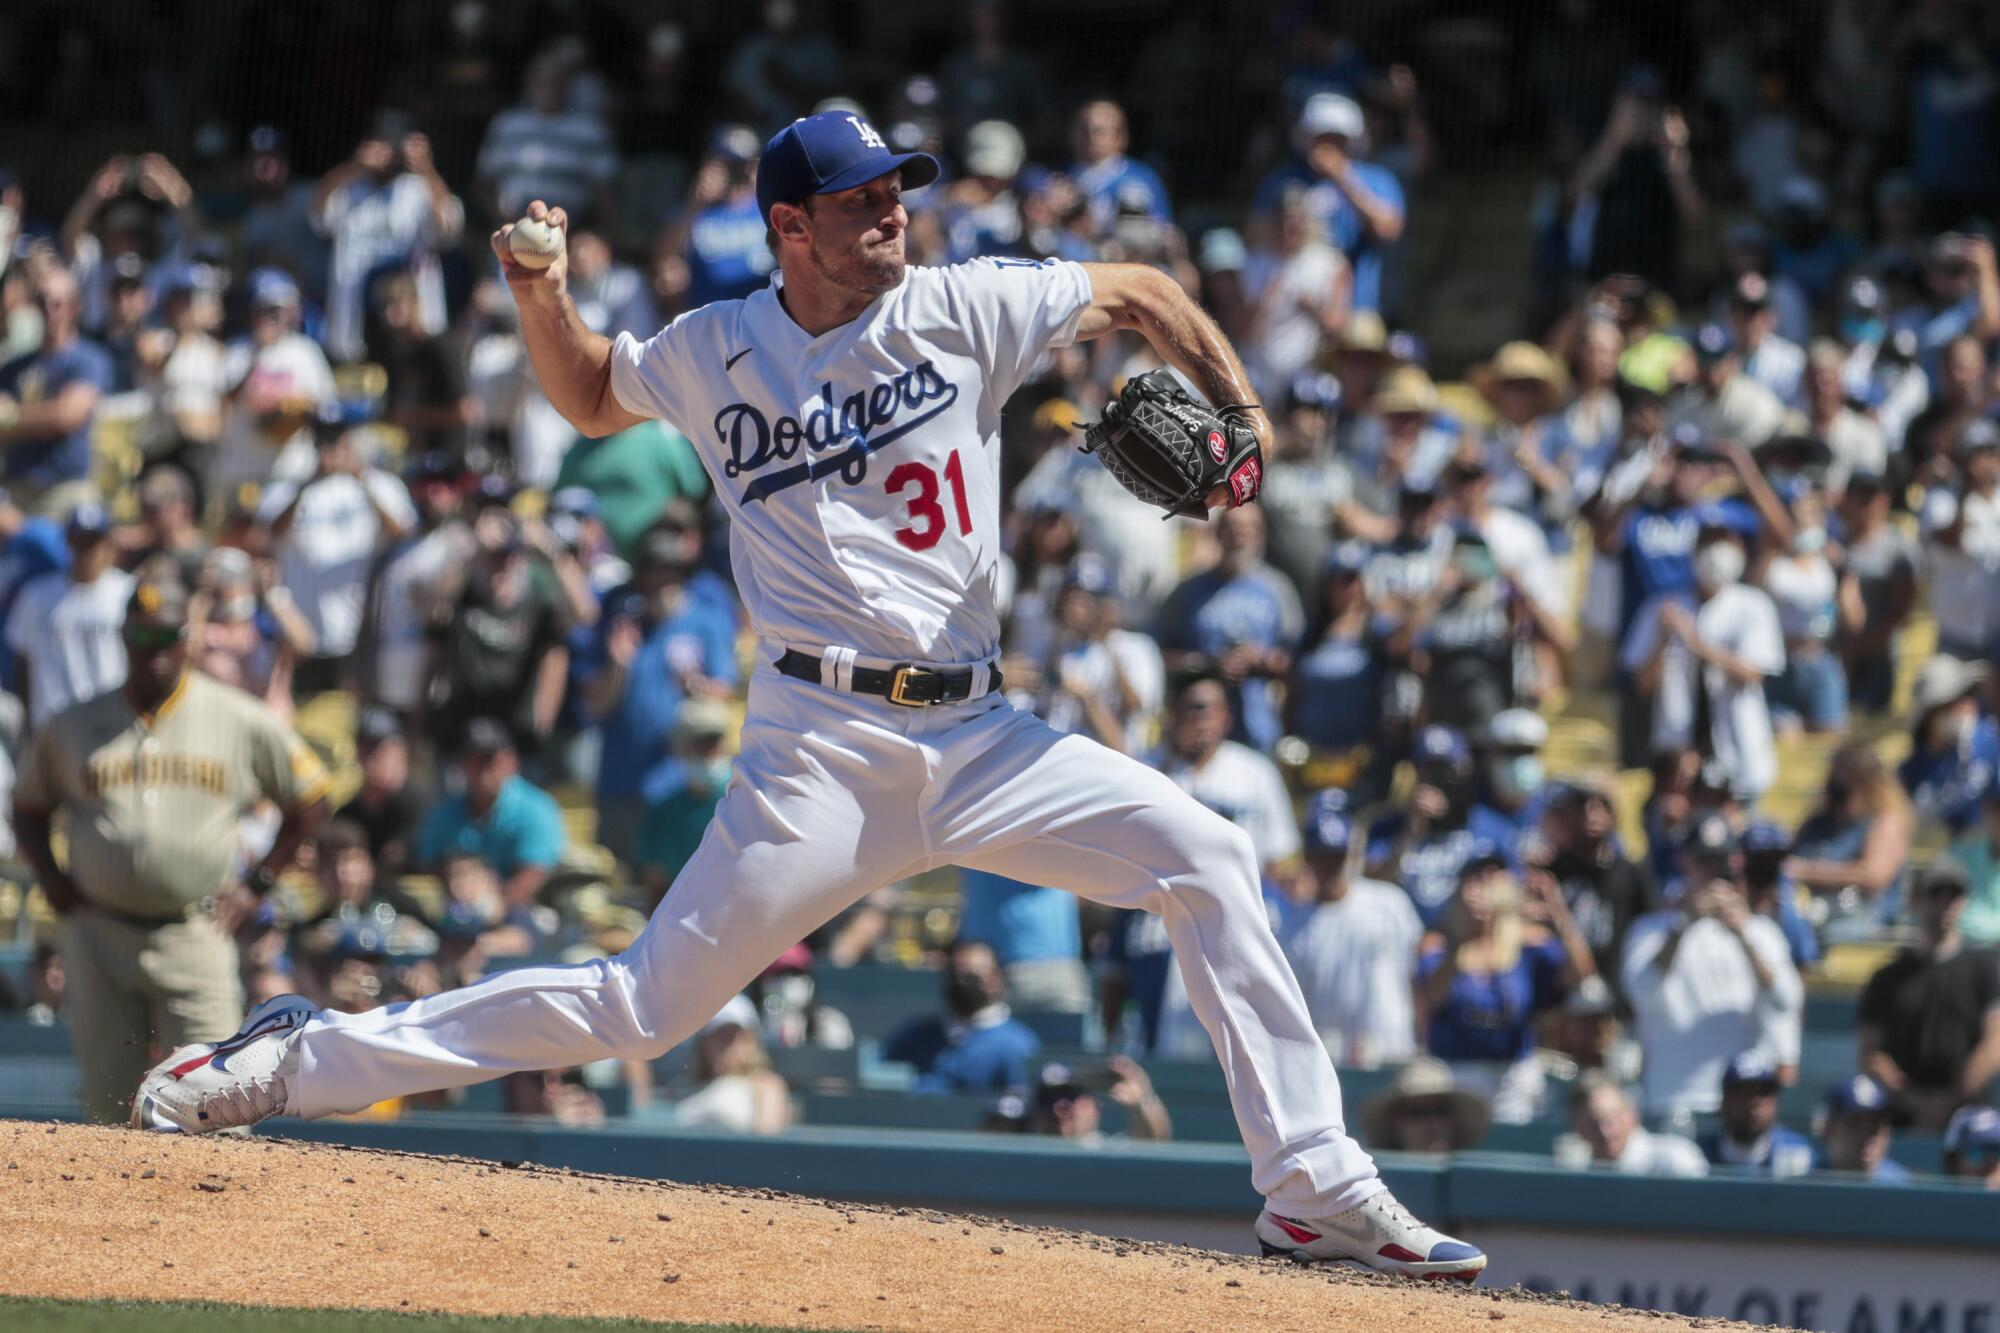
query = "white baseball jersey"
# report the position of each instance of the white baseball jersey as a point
(861, 468)
(71, 635)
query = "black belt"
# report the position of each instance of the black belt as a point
(142, 922)
(905, 683)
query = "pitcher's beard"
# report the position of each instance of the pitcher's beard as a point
(870, 269)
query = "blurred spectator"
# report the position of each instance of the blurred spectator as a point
(1724, 402)
(1235, 781)
(1851, 849)
(325, 530)
(1748, 1135)
(1883, 561)
(1702, 660)
(1954, 86)
(548, 148)
(1811, 251)
(410, 587)
(1352, 943)
(1103, 681)
(278, 378)
(167, 540)
(1239, 618)
(479, 923)
(46, 984)
(978, 1045)
(721, 232)
(1853, 1129)
(1773, 893)
(1959, 398)
(1929, 1021)
(247, 637)
(1066, 1105)
(29, 548)
(1340, 674)
(735, 1087)
(1425, 848)
(48, 400)
(512, 826)
(1708, 979)
(658, 644)
(1605, 1133)
(1576, 844)
(1462, 639)
(1298, 289)
(1817, 602)
(1978, 855)
(1398, 448)
(674, 820)
(351, 887)
(278, 227)
(793, 1015)
(1962, 535)
(1358, 204)
(1581, 439)
(1111, 181)
(559, 1094)
(386, 207)
(135, 209)
(1634, 190)
(982, 213)
(1524, 385)
(1855, 439)
(426, 396)
(126, 322)
(988, 76)
(183, 371)
(1424, 1110)
(1972, 1146)
(500, 648)
(778, 71)
(385, 807)
(1036, 935)
(1510, 777)
(1584, 1034)
(1769, 359)
(1954, 755)
(1483, 980)
(64, 625)
(635, 475)
(1304, 479)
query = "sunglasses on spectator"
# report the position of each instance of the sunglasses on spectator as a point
(151, 638)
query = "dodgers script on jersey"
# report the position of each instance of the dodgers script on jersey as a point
(861, 468)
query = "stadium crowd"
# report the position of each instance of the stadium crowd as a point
(1510, 677)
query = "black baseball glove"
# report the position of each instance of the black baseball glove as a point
(1170, 450)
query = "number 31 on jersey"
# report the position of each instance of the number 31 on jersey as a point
(917, 485)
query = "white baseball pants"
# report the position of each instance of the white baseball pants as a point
(834, 795)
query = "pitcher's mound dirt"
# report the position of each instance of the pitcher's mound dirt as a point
(92, 1213)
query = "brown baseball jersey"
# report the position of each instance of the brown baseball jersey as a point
(150, 802)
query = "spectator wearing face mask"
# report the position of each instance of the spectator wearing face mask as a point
(1605, 1134)
(1748, 1136)
(1853, 1129)
(1818, 601)
(1352, 942)
(1703, 661)
(1510, 768)
(673, 821)
(1485, 978)
(977, 1045)
(1954, 757)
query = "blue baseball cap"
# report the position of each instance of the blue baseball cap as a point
(89, 519)
(1972, 1129)
(1327, 827)
(1090, 573)
(1856, 1095)
(578, 500)
(1764, 837)
(1712, 342)
(271, 289)
(1752, 1066)
(1349, 557)
(831, 151)
(1483, 854)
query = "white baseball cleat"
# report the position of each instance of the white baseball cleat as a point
(212, 1086)
(1378, 1232)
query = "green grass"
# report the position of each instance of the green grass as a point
(20, 1315)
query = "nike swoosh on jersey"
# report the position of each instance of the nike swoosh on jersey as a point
(730, 364)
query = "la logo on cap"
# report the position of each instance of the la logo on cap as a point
(869, 138)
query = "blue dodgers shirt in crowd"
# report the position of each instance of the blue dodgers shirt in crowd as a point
(1212, 613)
(955, 1056)
(1119, 184)
(37, 549)
(1338, 699)
(1431, 867)
(698, 639)
(1658, 554)
(524, 828)
(1948, 786)
(1491, 1017)
(727, 257)
(1343, 225)
(1019, 922)
(40, 377)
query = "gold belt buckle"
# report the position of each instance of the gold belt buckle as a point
(899, 683)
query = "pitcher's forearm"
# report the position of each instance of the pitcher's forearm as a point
(573, 366)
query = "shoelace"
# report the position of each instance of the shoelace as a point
(245, 1103)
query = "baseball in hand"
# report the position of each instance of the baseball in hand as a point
(534, 243)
